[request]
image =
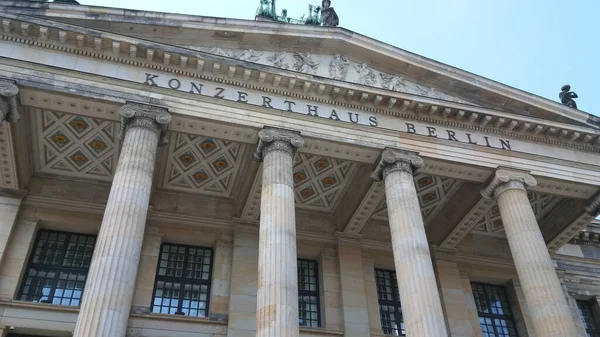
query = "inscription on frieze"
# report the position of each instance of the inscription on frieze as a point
(337, 114)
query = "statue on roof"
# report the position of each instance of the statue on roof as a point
(328, 16)
(566, 96)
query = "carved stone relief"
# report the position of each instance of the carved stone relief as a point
(335, 66)
(305, 63)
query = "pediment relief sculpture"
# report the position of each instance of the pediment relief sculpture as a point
(337, 67)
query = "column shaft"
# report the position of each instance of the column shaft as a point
(421, 305)
(277, 297)
(111, 279)
(277, 307)
(546, 301)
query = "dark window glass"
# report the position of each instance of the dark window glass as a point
(493, 310)
(585, 311)
(308, 294)
(183, 281)
(390, 308)
(57, 268)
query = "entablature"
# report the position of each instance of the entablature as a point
(194, 65)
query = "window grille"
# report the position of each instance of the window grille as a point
(308, 293)
(57, 268)
(183, 279)
(390, 309)
(494, 313)
(587, 316)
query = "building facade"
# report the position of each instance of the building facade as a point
(168, 175)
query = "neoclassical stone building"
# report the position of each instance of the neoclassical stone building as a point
(168, 175)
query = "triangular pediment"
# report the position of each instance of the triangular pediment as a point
(328, 54)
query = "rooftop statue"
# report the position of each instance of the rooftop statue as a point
(566, 96)
(328, 16)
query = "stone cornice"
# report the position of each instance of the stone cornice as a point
(269, 79)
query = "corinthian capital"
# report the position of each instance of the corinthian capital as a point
(8, 102)
(393, 160)
(505, 179)
(136, 115)
(270, 139)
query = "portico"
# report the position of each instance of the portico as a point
(255, 189)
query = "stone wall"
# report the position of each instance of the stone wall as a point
(349, 302)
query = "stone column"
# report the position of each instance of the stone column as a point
(277, 297)
(8, 102)
(546, 301)
(111, 279)
(421, 304)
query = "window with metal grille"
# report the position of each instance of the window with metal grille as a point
(494, 313)
(587, 316)
(57, 268)
(390, 308)
(183, 278)
(308, 293)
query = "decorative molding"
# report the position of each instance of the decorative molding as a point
(505, 179)
(8, 163)
(366, 209)
(319, 182)
(252, 207)
(392, 160)
(202, 165)
(491, 224)
(433, 192)
(271, 139)
(570, 232)
(74, 145)
(468, 222)
(519, 127)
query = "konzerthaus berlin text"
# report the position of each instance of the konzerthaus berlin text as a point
(168, 175)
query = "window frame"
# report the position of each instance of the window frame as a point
(396, 303)
(593, 332)
(56, 269)
(510, 317)
(316, 293)
(183, 280)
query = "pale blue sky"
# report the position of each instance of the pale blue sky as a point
(533, 45)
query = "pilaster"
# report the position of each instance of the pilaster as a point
(244, 282)
(352, 282)
(332, 298)
(221, 282)
(15, 257)
(372, 297)
(9, 210)
(144, 284)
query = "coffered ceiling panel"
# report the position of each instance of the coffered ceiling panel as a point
(74, 145)
(433, 193)
(491, 222)
(202, 165)
(320, 181)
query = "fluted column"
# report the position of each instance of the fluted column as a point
(8, 102)
(111, 279)
(546, 301)
(277, 297)
(421, 304)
